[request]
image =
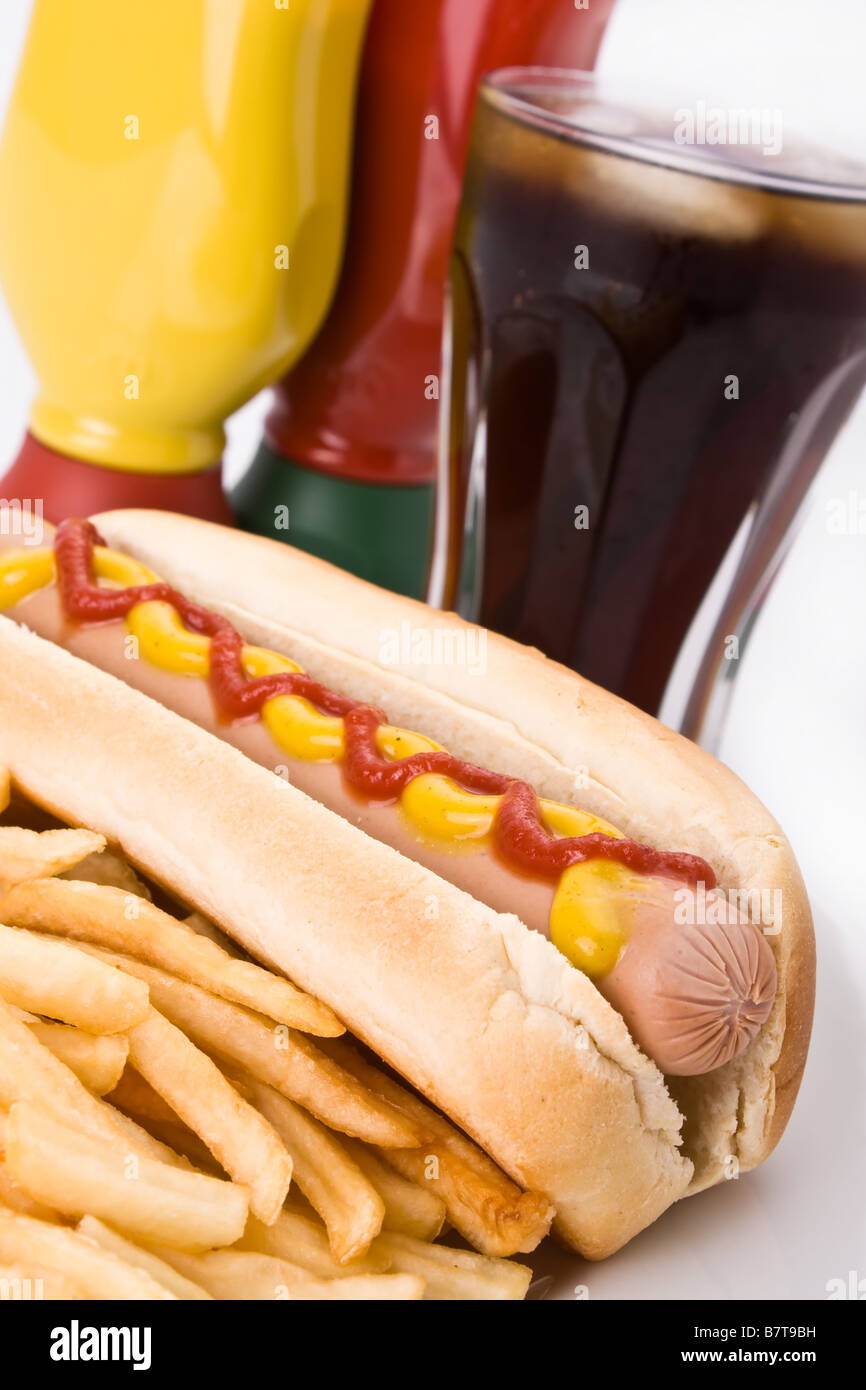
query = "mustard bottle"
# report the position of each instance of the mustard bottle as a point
(173, 194)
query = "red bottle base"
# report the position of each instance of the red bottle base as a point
(70, 487)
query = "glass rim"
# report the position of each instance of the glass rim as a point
(501, 89)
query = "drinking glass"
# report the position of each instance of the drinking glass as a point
(652, 338)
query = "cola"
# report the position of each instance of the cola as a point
(637, 331)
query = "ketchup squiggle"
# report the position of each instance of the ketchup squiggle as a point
(520, 835)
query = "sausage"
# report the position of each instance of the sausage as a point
(693, 995)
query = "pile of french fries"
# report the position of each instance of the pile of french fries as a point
(169, 1128)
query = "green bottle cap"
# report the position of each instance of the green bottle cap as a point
(381, 533)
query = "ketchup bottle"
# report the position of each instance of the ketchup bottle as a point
(174, 180)
(350, 444)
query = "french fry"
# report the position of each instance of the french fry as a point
(164, 1274)
(29, 1072)
(241, 1275)
(5, 789)
(137, 1099)
(59, 980)
(17, 1199)
(279, 1056)
(455, 1274)
(246, 1145)
(303, 1240)
(31, 1282)
(485, 1206)
(11, 1194)
(120, 921)
(333, 1184)
(212, 1058)
(110, 870)
(493, 1214)
(76, 1174)
(26, 854)
(410, 1209)
(97, 1272)
(98, 1062)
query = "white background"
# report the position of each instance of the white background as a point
(797, 728)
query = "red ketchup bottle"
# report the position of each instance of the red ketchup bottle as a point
(347, 466)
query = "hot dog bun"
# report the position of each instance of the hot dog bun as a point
(483, 1015)
(531, 718)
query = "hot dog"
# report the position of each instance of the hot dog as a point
(693, 996)
(699, 996)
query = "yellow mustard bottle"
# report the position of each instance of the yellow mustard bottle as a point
(174, 181)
